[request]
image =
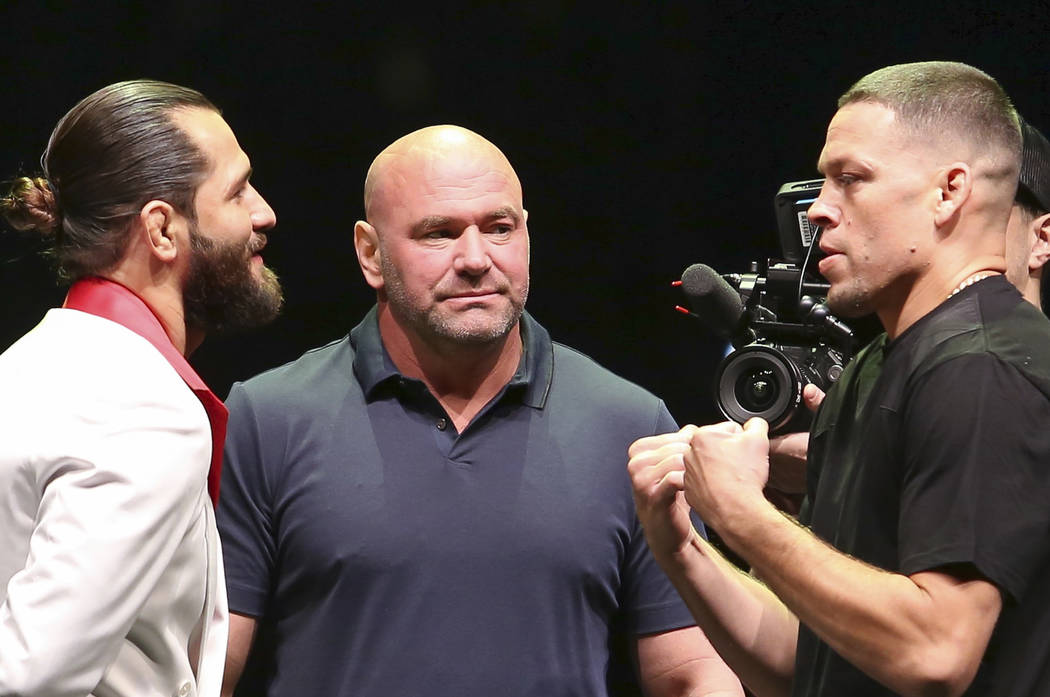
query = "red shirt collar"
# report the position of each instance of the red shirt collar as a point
(112, 301)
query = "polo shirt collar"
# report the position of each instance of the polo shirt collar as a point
(374, 367)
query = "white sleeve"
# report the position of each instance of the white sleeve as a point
(119, 485)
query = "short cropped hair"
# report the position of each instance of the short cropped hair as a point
(944, 98)
(116, 150)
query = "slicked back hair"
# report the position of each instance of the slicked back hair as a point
(113, 152)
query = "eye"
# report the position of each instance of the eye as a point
(438, 234)
(846, 179)
(502, 229)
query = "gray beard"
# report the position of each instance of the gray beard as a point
(429, 323)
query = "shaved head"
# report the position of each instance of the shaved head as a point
(445, 242)
(415, 155)
(953, 107)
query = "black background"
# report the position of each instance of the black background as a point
(647, 136)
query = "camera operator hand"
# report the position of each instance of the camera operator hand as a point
(656, 467)
(787, 460)
(726, 468)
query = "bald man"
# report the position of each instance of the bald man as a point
(437, 503)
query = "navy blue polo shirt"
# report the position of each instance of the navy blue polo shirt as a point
(386, 554)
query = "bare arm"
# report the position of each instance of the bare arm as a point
(751, 629)
(683, 662)
(918, 634)
(242, 634)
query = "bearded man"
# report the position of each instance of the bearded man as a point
(111, 579)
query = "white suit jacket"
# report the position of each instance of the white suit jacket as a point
(111, 580)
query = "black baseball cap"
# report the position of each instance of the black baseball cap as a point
(1035, 165)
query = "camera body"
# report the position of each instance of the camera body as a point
(785, 337)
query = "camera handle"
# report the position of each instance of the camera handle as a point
(817, 313)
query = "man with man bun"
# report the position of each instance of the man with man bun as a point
(111, 578)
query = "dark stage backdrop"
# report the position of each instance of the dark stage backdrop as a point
(647, 136)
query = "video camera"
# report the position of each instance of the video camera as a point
(782, 333)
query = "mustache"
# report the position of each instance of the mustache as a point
(443, 292)
(256, 243)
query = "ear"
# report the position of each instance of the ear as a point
(366, 244)
(524, 223)
(956, 184)
(1041, 245)
(161, 226)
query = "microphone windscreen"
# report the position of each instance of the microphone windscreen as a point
(712, 299)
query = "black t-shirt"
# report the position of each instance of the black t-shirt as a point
(934, 450)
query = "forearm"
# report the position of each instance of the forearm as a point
(886, 624)
(682, 662)
(242, 636)
(749, 627)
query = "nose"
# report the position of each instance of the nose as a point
(262, 215)
(821, 212)
(472, 256)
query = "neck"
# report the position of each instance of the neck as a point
(194, 338)
(166, 303)
(462, 377)
(1032, 290)
(966, 245)
(931, 290)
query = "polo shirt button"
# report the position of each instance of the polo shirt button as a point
(442, 423)
(184, 689)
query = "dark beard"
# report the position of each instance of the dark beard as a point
(221, 293)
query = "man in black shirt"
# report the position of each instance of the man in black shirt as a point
(924, 567)
(1027, 251)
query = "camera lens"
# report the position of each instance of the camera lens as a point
(757, 390)
(758, 380)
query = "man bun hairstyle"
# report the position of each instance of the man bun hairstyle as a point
(31, 205)
(116, 150)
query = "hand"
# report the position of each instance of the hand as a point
(726, 468)
(812, 396)
(656, 468)
(787, 452)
